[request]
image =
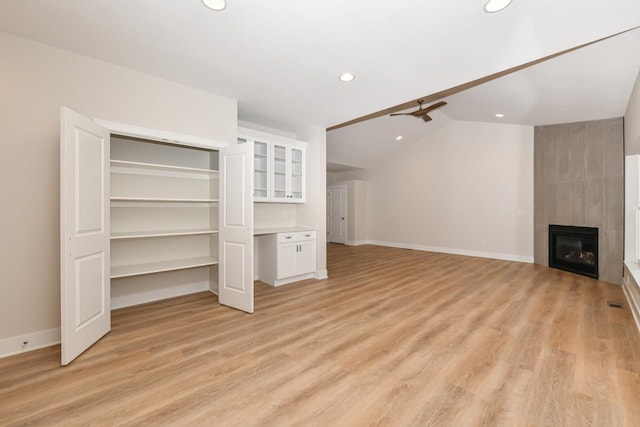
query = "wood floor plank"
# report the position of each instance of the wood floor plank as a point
(393, 337)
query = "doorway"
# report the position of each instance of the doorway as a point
(337, 214)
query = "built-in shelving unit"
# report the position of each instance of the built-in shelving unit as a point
(160, 266)
(160, 199)
(164, 208)
(136, 167)
(140, 222)
(159, 233)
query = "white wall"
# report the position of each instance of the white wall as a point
(631, 278)
(36, 81)
(467, 188)
(632, 122)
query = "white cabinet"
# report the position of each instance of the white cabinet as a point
(262, 167)
(147, 217)
(286, 257)
(288, 176)
(279, 167)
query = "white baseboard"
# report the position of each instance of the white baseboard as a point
(280, 282)
(454, 251)
(356, 242)
(157, 295)
(321, 274)
(34, 341)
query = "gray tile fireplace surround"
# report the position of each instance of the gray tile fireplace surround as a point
(579, 181)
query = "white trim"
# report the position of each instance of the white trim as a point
(321, 274)
(356, 242)
(157, 295)
(160, 135)
(634, 270)
(280, 282)
(252, 134)
(454, 251)
(35, 340)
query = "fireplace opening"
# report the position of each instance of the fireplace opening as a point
(574, 249)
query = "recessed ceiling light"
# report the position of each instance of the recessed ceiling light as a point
(496, 5)
(215, 4)
(347, 77)
(399, 138)
(499, 115)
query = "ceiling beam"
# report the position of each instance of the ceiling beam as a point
(468, 85)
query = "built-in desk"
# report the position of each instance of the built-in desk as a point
(259, 231)
(284, 254)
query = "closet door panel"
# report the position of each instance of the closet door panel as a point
(84, 205)
(236, 227)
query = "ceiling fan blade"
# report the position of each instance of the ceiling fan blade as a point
(422, 112)
(434, 106)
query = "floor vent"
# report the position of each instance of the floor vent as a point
(614, 304)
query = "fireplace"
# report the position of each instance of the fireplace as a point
(574, 249)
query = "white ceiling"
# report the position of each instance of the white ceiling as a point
(280, 59)
(588, 84)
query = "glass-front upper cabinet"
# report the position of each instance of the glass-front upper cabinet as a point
(279, 172)
(279, 167)
(260, 170)
(297, 175)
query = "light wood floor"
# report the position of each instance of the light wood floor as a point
(394, 337)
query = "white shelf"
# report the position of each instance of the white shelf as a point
(160, 233)
(158, 267)
(160, 199)
(159, 167)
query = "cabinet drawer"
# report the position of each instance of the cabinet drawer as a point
(297, 236)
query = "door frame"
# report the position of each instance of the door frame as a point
(346, 209)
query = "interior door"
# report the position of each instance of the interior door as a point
(236, 227)
(337, 214)
(84, 233)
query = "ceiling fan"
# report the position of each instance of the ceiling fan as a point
(422, 112)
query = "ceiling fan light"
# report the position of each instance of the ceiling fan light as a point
(492, 6)
(215, 4)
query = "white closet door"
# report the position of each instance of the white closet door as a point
(236, 227)
(337, 214)
(84, 204)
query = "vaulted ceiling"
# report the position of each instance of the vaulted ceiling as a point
(281, 59)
